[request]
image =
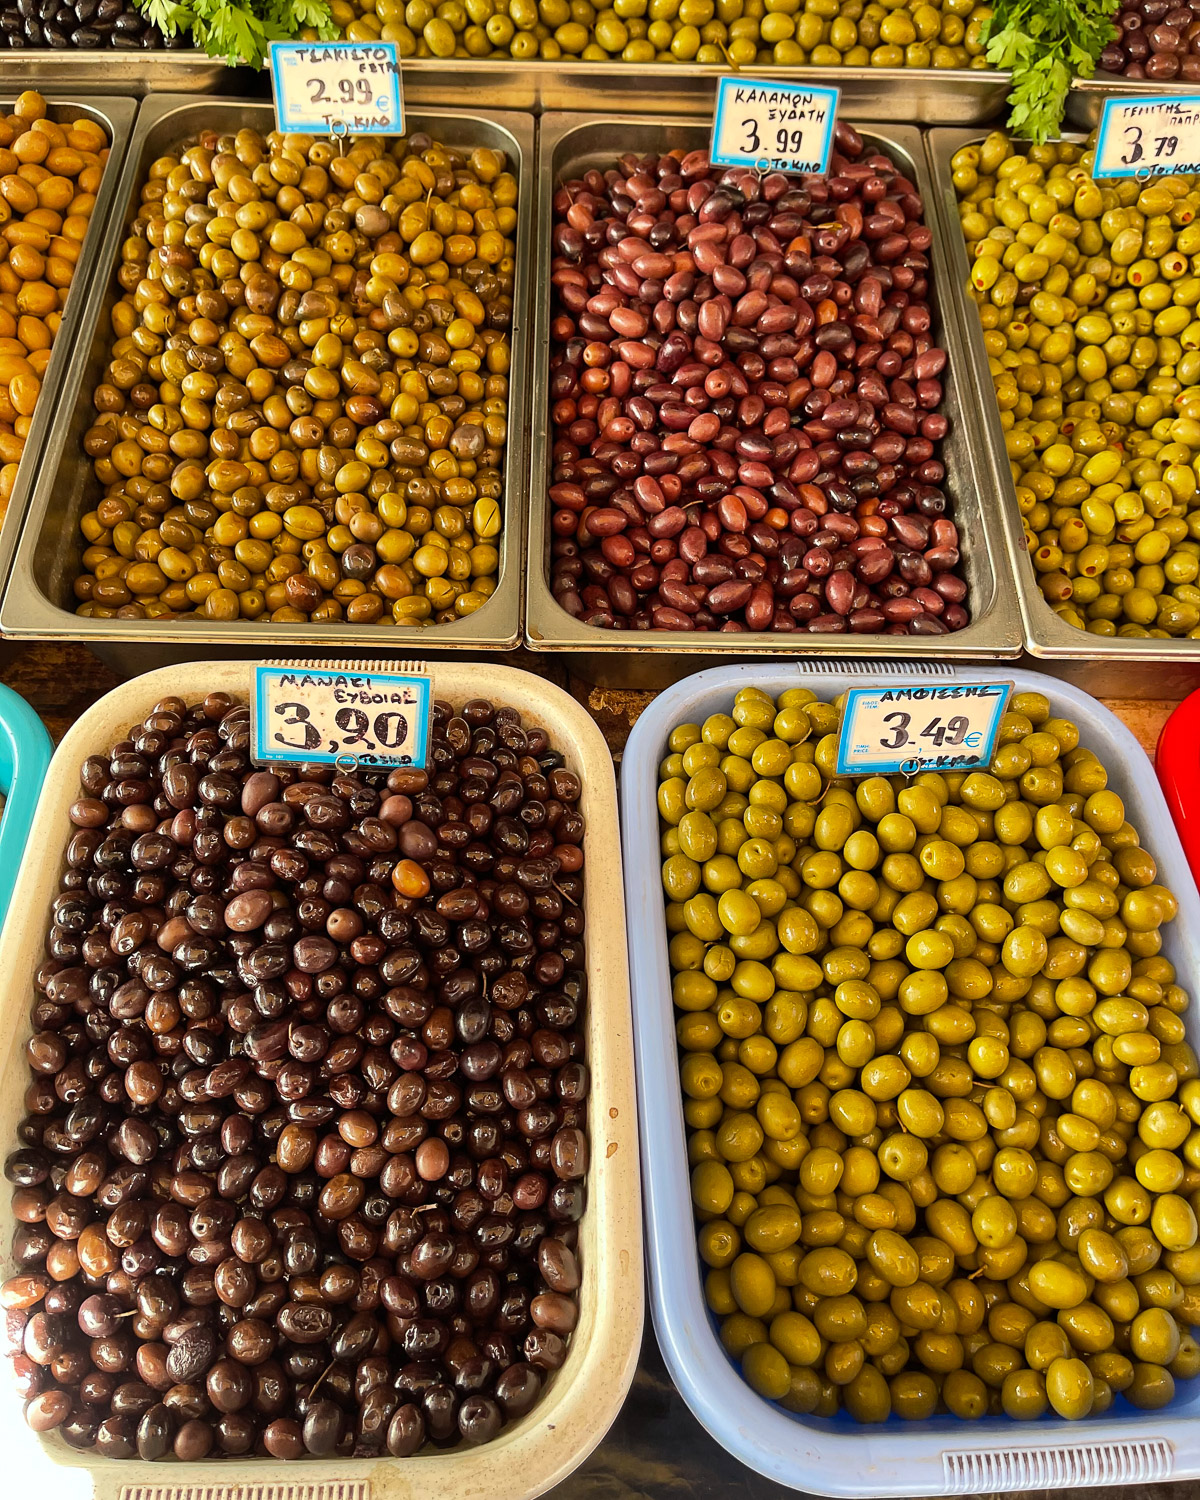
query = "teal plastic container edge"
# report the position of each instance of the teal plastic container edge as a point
(25, 751)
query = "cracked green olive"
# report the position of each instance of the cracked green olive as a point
(1088, 294)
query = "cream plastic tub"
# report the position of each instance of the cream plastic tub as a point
(584, 1396)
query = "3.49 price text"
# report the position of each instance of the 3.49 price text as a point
(955, 731)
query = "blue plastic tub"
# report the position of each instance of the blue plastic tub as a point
(25, 751)
(943, 1456)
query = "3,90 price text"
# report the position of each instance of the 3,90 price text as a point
(390, 730)
(329, 716)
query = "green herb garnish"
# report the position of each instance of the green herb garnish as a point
(1046, 43)
(240, 31)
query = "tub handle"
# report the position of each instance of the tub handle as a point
(326, 1489)
(352, 665)
(818, 666)
(1131, 1461)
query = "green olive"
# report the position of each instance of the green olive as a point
(1069, 1387)
(927, 1033)
(1083, 307)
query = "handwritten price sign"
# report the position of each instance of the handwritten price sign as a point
(1148, 137)
(305, 714)
(337, 88)
(776, 127)
(942, 727)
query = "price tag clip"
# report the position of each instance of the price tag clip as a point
(337, 88)
(910, 728)
(1139, 137)
(350, 715)
(773, 127)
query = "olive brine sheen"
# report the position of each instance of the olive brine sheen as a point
(304, 1151)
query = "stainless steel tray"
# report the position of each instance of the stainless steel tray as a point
(569, 145)
(38, 599)
(1064, 649)
(116, 117)
(1087, 95)
(113, 70)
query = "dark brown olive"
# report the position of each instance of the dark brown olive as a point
(406, 1431)
(193, 1441)
(558, 1266)
(154, 1433)
(302, 1152)
(192, 1354)
(517, 1389)
(322, 1427)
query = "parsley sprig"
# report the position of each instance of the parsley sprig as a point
(240, 30)
(1046, 43)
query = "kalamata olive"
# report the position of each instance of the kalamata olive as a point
(731, 417)
(1152, 41)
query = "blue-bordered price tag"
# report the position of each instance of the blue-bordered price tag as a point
(920, 727)
(775, 127)
(339, 717)
(337, 88)
(1148, 137)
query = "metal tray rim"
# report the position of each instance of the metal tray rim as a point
(945, 85)
(1046, 635)
(26, 612)
(548, 627)
(1087, 95)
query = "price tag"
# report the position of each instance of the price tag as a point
(332, 717)
(776, 127)
(337, 88)
(1148, 137)
(925, 727)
